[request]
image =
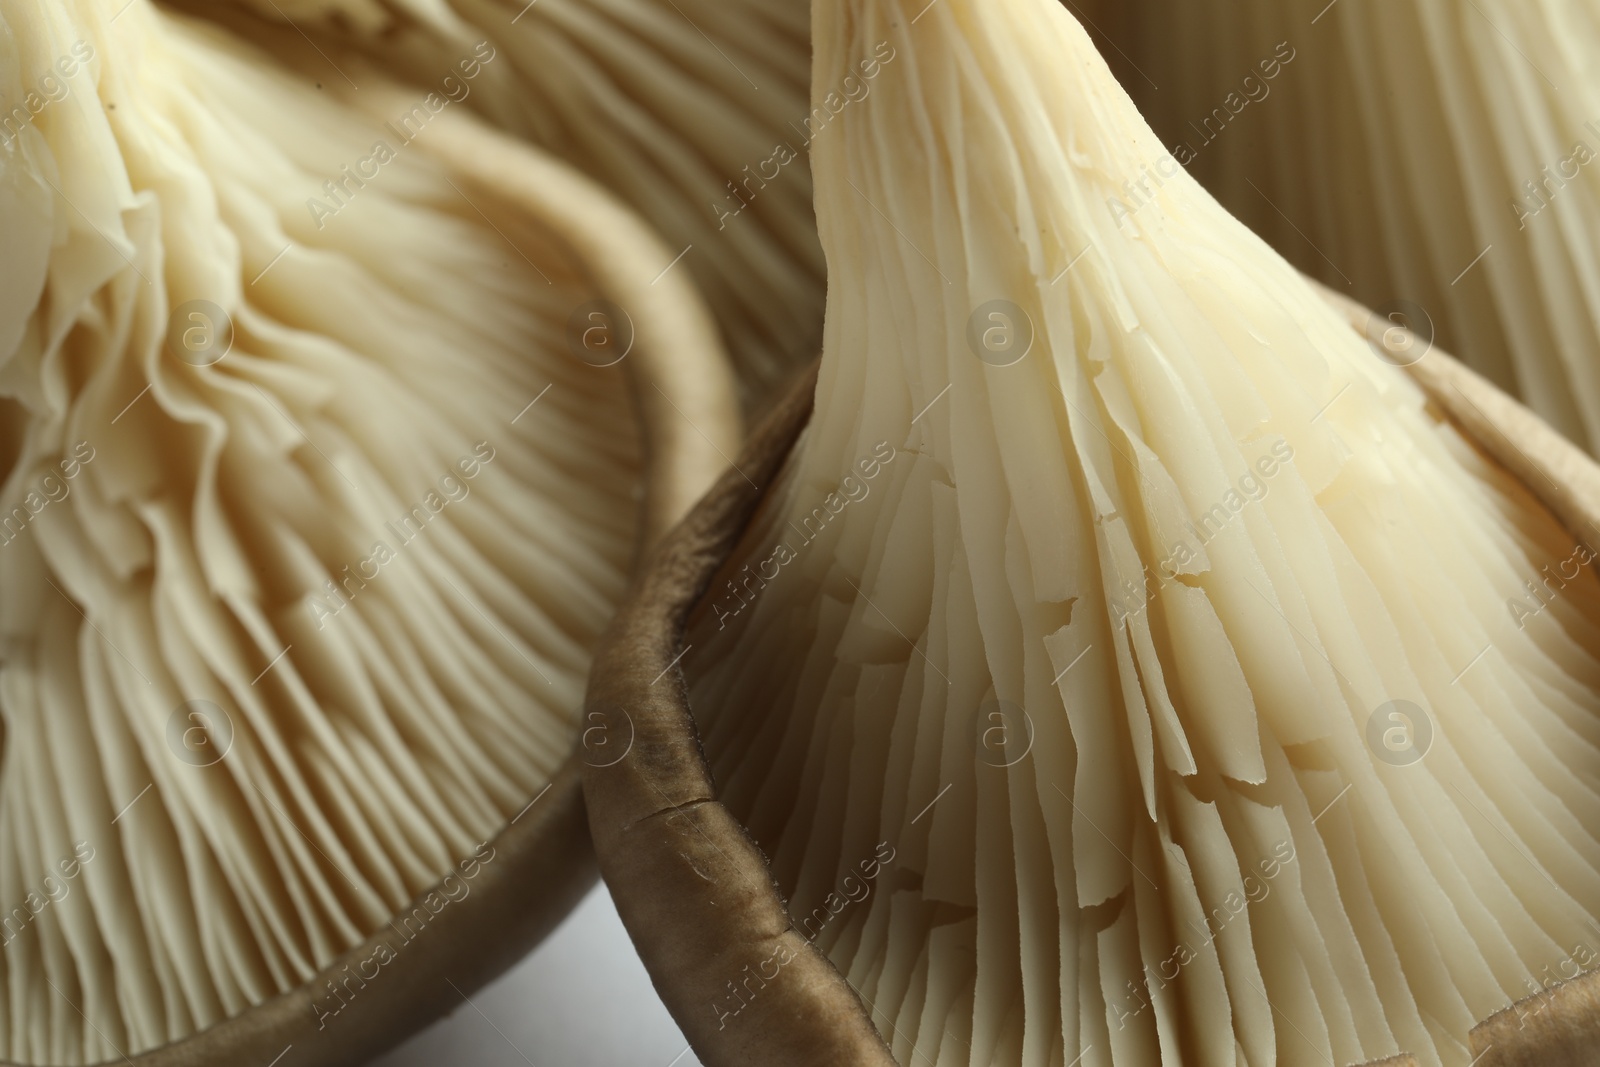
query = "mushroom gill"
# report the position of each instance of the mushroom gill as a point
(308, 524)
(692, 111)
(1130, 665)
(1437, 161)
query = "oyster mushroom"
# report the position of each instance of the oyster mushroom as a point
(1438, 162)
(307, 527)
(1127, 665)
(694, 112)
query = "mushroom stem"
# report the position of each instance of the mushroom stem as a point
(693, 889)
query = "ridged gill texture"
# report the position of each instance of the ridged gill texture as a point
(307, 526)
(1385, 148)
(1130, 666)
(692, 111)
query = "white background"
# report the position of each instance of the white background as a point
(581, 999)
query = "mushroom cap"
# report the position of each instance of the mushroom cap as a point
(1386, 149)
(694, 112)
(1130, 664)
(315, 497)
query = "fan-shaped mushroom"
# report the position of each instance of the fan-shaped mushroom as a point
(1130, 663)
(308, 523)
